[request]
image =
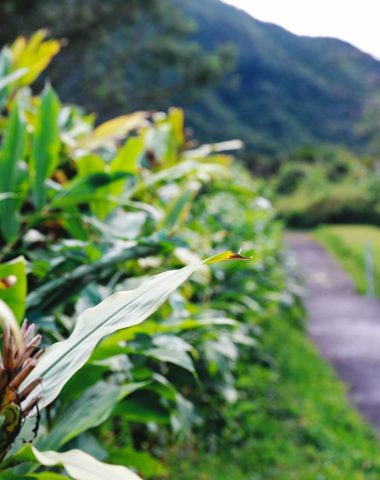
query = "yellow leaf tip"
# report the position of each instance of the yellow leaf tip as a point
(225, 256)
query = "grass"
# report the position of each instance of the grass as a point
(292, 422)
(347, 243)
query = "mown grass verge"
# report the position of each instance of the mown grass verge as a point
(292, 421)
(348, 243)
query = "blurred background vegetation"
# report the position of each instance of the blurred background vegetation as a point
(307, 111)
(236, 76)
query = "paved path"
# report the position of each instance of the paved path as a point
(345, 326)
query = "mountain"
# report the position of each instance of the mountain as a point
(287, 90)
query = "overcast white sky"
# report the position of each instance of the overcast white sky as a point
(357, 22)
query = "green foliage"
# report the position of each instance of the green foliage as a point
(317, 186)
(109, 220)
(285, 91)
(348, 243)
(293, 420)
(46, 144)
(11, 176)
(121, 46)
(112, 220)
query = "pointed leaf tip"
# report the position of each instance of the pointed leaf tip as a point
(224, 256)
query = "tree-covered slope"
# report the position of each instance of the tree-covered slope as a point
(288, 90)
(285, 91)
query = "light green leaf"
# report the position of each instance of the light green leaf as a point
(93, 164)
(180, 207)
(90, 163)
(81, 466)
(46, 145)
(171, 349)
(143, 462)
(177, 121)
(5, 68)
(127, 156)
(125, 161)
(13, 286)
(176, 172)
(224, 256)
(34, 54)
(12, 476)
(7, 319)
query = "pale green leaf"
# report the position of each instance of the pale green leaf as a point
(81, 466)
(13, 286)
(8, 320)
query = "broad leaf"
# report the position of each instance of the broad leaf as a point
(90, 410)
(8, 320)
(13, 286)
(121, 310)
(12, 152)
(46, 145)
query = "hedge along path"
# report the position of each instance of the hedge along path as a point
(345, 326)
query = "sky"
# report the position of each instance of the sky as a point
(356, 22)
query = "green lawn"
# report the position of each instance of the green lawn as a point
(347, 243)
(293, 422)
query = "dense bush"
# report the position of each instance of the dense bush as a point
(328, 186)
(289, 178)
(87, 212)
(353, 207)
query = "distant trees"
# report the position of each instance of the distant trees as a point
(120, 53)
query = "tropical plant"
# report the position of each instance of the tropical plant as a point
(104, 222)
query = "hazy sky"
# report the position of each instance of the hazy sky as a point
(355, 21)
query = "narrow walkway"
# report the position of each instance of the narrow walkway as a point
(345, 326)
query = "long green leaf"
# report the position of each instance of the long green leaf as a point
(46, 145)
(12, 151)
(121, 310)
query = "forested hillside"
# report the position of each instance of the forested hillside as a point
(249, 79)
(288, 90)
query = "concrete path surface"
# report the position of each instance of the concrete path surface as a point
(345, 326)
